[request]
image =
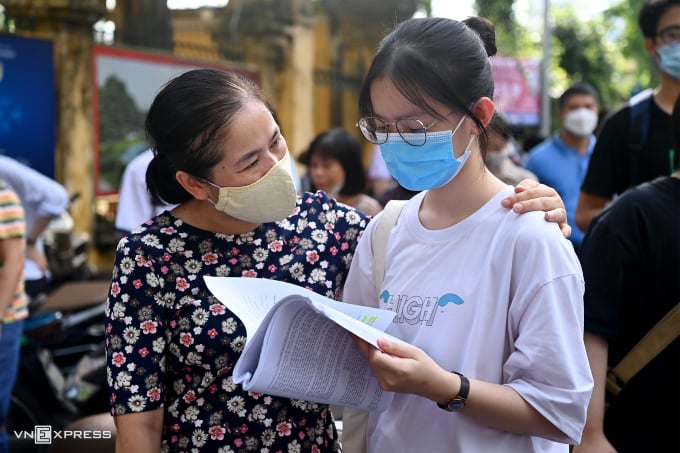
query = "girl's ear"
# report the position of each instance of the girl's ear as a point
(198, 189)
(483, 109)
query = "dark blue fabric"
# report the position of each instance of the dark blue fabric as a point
(10, 344)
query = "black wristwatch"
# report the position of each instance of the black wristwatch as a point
(457, 403)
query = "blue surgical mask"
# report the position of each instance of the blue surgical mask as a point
(429, 166)
(669, 55)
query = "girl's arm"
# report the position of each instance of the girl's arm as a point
(405, 368)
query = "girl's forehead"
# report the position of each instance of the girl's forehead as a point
(389, 103)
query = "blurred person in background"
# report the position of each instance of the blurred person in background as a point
(624, 155)
(502, 154)
(13, 300)
(379, 178)
(334, 160)
(562, 160)
(43, 199)
(135, 205)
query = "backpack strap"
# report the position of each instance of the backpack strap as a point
(661, 335)
(387, 220)
(639, 112)
(355, 421)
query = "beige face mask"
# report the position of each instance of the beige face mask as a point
(269, 199)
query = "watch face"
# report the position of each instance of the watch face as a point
(455, 405)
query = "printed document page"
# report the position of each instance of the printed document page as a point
(299, 343)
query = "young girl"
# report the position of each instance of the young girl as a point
(490, 302)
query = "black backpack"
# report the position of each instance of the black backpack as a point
(640, 105)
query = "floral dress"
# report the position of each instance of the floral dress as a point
(172, 344)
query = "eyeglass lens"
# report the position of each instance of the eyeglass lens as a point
(376, 131)
(670, 34)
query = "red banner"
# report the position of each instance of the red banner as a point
(518, 89)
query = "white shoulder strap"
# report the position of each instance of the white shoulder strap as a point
(355, 421)
(388, 219)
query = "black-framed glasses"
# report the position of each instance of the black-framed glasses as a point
(669, 35)
(411, 130)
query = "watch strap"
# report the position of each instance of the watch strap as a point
(459, 399)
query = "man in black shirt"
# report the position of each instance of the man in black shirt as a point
(616, 163)
(631, 265)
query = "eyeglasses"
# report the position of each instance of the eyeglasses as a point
(413, 131)
(669, 35)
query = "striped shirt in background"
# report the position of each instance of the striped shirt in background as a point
(12, 226)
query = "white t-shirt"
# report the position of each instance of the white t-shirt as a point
(497, 297)
(134, 201)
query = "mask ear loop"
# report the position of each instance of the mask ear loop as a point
(209, 200)
(472, 138)
(460, 123)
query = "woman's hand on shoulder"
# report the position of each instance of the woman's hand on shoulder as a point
(530, 195)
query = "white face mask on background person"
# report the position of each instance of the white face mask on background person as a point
(269, 199)
(581, 122)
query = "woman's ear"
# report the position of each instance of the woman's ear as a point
(483, 109)
(197, 188)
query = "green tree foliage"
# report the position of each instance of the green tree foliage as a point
(508, 31)
(605, 50)
(630, 44)
(582, 55)
(121, 128)
(119, 116)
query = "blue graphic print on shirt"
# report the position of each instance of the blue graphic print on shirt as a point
(417, 309)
